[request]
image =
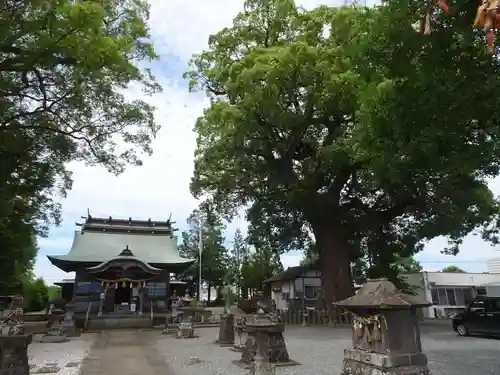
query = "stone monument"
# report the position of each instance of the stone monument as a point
(240, 336)
(68, 323)
(226, 330)
(13, 342)
(385, 333)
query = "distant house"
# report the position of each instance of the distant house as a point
(294, 286)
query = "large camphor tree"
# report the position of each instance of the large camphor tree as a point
(348, 125)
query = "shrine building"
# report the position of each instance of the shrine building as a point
(121, 266)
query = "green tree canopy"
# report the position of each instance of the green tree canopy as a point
(63, 69)
(214, 257)
(348, 124)
(257, 267)
(453, 269)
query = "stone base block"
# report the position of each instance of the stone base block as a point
(185, 331)
(223, 344)
(276, 350)
(14, 354)
(261, 367)
(248, 365)
(354, 367)
(49, 339)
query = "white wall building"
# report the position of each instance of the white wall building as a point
(493, 265)
(295, 283)
(450, 292)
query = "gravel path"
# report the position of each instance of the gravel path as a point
(319, 350)
(61, 358)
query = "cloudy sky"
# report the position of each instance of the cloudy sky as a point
(181, 28)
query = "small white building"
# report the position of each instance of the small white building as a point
(451, 291)
(295, 285)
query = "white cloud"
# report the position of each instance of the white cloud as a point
(180, 28)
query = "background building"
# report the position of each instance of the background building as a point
(451, 291)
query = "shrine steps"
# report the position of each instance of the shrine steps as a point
(118, 321)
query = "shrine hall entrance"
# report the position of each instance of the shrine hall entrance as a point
(123, 294)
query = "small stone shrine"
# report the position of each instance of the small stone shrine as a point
(13, 342)
(386, 333)
(264, 327)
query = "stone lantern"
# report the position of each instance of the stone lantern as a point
(386, 333)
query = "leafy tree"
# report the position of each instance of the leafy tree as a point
(238, 254)
(257, 267)
(453, 269)
(214, 254)
(63, 70)
(36, 294)
(346, 134)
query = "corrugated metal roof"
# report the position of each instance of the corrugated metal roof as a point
(102, 247)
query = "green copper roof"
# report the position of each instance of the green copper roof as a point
(102, 247)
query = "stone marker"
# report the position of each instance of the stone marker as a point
(13, 342)
(226, 330)
(68, 323)
(14, 355)
(386, 332)
(239, 322)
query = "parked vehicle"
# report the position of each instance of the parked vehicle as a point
(481, 317)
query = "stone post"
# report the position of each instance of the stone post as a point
(226, 330)
(14, 355)
(141, 301)
(68, 323)
(385, 333)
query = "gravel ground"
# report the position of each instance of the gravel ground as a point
(62, 358)
(319, 350)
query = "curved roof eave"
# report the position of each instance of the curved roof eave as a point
(105, 265)
(68, 265)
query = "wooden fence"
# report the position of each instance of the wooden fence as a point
(315, 316)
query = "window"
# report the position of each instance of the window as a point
(156, 289)
(481, 291)
(435, 299)
(312, 292)
(468, 295)
(285, 296)
(450, 294)
(442, 296)
(459, 296)
(477, 306)
(493, 306)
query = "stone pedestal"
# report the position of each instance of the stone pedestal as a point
(185, 331)
(261, 364)
(68, 324)
(261, 328)
(226, 330)
(14, 355)
(386, 332)
(53, 335)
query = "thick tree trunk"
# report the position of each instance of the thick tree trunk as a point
(334, 255)
(209, 292)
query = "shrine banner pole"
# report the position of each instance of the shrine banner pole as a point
(200, 249)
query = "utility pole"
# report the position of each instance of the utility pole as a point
(200, 250)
